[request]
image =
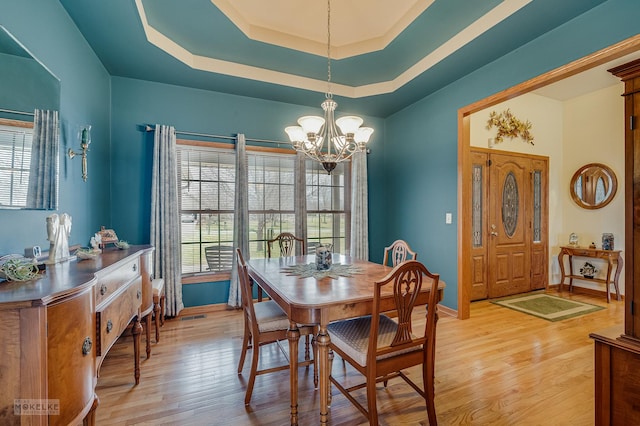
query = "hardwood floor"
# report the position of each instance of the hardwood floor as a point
(500, 367)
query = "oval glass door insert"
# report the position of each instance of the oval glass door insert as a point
(510, 199)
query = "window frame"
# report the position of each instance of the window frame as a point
(27, 128)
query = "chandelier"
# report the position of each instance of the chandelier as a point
(325, 139)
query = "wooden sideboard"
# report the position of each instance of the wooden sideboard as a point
(55, 332)
(611, 256)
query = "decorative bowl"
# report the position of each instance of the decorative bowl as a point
(86, 253)
(122, 245)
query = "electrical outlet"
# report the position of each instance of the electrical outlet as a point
(448, 218)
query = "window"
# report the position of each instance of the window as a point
(207, 196)
(15, 162)
(207, 187)
(271, 196)
(328, 206)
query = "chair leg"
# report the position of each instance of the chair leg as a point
(371, 402)
(162, 311)
(147, 326)
(252, 375)
(307, 354)
(245, 347)
(330, 367)
(315, 362)
(156, 313)
(429, 394)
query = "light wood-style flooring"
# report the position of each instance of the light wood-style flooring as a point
(500, 367)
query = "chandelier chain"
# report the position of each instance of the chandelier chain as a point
(325, 139)
(329, 95)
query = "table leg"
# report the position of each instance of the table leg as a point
(323, 365)
(294, 337)
(619, 264)
(608, 279)
(562, 275)
(570, 273)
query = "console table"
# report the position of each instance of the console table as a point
(56, 330)
(611, 256)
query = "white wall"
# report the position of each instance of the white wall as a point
(572, 133)
(594, 133)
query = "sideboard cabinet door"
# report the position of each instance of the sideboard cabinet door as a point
(71, 333)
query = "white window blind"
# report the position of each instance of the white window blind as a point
(15, 160)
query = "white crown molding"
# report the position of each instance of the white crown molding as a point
(484, 23)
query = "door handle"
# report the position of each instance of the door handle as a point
(494, 234)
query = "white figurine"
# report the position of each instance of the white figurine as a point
(96, 240)
(52, 236)
(63, 235)
(58, 231)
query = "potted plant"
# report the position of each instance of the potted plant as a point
(588, 270)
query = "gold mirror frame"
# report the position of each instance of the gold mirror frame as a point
(588, 176)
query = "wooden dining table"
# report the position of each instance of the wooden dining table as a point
(309, 300)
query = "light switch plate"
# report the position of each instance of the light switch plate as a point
(448, 218)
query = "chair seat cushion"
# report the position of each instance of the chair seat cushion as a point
(158, 286)
(352, 337)
(270, 316)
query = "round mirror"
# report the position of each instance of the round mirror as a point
(593, 186)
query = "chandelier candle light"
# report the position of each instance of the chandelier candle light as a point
(318, 137)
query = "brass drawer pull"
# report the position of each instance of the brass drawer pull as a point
(139, 294)
(109, 326)
(103, 289)
(86, 346)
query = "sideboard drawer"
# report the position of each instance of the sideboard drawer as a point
(109, 283)
(114, 318)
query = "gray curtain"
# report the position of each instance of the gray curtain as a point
(359, 207)
(241, 218)
(43, 171)
(165, 218)
(300, 201)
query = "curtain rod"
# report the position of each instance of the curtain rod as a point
(10, 111)
(151, 129)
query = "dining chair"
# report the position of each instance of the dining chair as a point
(219, 258)
(264, 323)
(399, 251)
(286, 243)
(380, 348)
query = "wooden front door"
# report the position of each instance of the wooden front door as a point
(509, 246)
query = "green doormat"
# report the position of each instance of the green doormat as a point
(548, 307)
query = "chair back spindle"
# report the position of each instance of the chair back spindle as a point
(398, 252)
(286, 244)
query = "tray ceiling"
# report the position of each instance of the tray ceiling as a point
(392, 52)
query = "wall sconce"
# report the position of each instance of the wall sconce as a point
(85, 140)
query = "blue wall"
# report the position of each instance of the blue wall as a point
(412, 166)
(421, 140)
(31, 86)
(44, 28)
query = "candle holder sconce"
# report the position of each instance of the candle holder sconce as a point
(85, 140)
